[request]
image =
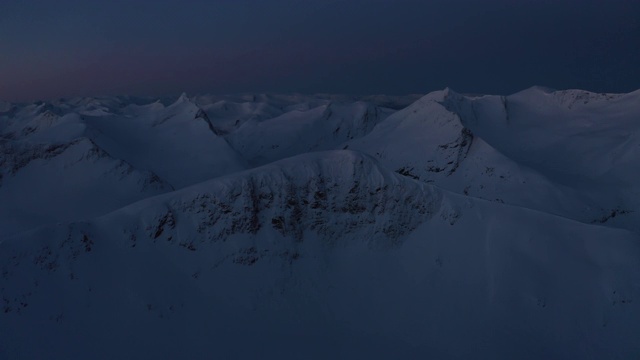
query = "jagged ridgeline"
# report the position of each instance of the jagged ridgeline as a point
(434, 226)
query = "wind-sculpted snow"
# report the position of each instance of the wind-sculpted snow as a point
(294, 226)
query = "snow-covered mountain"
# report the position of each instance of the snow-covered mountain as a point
(255, 226)
(570, 153)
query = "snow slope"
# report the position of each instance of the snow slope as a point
(298, 131)
(79, 159)
(176, 142)
(47, 183)
(458, 227)
(536, 151)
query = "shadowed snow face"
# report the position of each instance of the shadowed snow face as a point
(454, 227)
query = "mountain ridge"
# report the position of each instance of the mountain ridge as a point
(451, 228)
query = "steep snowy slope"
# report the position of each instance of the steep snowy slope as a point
(229, 113)
(51, 171)
(145, 142)
(320, 256)
(547, 131)
(46, 183)
(299, 131)
(228, 116)
(177, 142)
(471, 146)
(77, 159)
(588, 142)
(327, 226)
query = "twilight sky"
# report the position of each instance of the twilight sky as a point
(64, 48)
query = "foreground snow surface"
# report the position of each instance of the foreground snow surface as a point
(303, 227)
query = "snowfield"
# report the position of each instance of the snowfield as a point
(311, 227)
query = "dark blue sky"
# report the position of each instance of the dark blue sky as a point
(65, 48)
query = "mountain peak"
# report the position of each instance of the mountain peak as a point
(405, 228)
(183, 98)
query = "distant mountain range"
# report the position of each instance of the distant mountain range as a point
(294, 226)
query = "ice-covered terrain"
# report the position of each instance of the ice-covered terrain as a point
(291, 226)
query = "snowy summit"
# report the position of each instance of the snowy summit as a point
(315, 227)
